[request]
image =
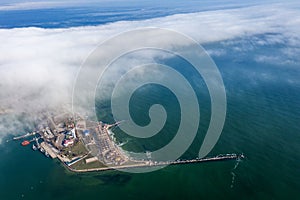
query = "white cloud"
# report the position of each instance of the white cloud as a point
(216, 52)
(275, 60)
(37, 66)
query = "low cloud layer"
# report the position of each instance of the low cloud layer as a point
(38, 66)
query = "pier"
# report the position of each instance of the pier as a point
(48, 149)
(24, 136)
(155, 164)
(215, 158)
(108, 126)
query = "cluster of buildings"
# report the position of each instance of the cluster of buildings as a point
(60, 132)
(57, 134)
(110, 153)
(102, 146)
(66, 138)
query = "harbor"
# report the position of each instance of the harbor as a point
(85, 146)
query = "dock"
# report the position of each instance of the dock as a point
(48, 149)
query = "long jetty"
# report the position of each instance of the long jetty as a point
(154, 164)
(215, 158)
(24, 136)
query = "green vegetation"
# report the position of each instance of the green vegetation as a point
(77, 149)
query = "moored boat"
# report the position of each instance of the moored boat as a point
(42, 150)
(34, 147)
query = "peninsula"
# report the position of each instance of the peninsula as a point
(83, 145)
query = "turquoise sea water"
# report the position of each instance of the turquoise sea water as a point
(263, 115)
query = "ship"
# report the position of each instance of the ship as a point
(25, 143)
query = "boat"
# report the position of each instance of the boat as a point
(34, 147)
(42, 150)
(25, 143)
(46, 154)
